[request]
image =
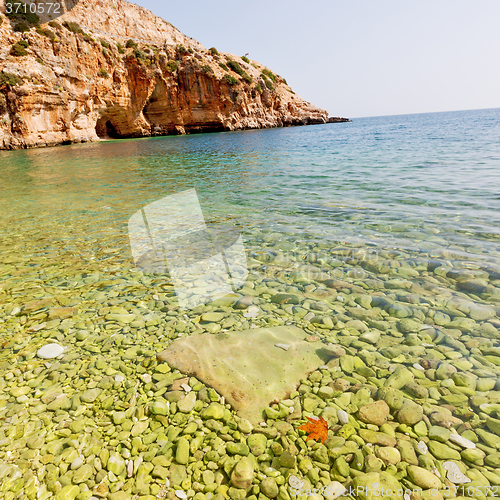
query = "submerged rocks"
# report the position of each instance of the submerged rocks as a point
(374, 413)
(410, 413)
(369, 486)
(423, 478)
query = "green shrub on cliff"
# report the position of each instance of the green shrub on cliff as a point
(181, 50)
(258, 88)
(267, 82)
(120, 48)
(207, 69)
(172, 66)
(73, 27)
(269, 75)
(213, 51)
(9, 79)
(223, 66)
(231, 80)
(55, 24)
(238, 69)
(19, 48)
(140, 55)
(131, 44)
(45, 32)
(21, 27)
(103, 73)
(245, 58)
(104, 43)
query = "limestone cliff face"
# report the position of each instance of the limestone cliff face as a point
(76, 85)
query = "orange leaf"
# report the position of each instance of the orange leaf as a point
(316, 429)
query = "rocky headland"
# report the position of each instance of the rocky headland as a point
(114, 69)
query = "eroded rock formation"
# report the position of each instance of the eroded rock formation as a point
(77, 79)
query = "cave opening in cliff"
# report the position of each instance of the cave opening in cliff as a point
(105, 129)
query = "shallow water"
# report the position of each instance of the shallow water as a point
(397, 217)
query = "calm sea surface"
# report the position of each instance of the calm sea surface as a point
(377, 233)
(427, 184)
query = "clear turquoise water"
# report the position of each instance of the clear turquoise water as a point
(393, 221)
(426, 183)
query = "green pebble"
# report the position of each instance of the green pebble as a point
(237, 449)
(269, 488)
(68, 492)
(182, 451)
(115, 464)
(442, 451)
(257, 444)
(213, 410)
(439, 434)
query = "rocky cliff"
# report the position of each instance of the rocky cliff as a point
(113, 69)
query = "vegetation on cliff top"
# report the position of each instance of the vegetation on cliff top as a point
(234, 65)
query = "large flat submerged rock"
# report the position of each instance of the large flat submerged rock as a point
(251, 368)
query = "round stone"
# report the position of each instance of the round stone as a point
(50, 351)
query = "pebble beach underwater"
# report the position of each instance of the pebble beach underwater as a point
(360, 358)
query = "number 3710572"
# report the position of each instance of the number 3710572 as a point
(33, 8)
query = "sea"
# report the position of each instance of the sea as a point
(378, 232)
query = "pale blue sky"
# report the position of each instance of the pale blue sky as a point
(360, 57)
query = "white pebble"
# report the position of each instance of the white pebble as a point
(285, 347)
(422, 447)
(464, 442)
(340, 298)
(455, 474)
(252, 312)
(180, 494)
(335, 490)
(418, 367)
(186, 387)
(119, 378)
(50, 351)
(343, 416)
(130, 468)
(295, 482)
(146, 378)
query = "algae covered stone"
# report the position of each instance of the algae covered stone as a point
(376, 485)
(213, 410)
(423, 478)
(242, 474)
(258, 372)
(269, 487)
(442, 451)
(374, 413)
(257, 444)
(410, 413)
